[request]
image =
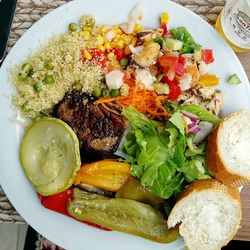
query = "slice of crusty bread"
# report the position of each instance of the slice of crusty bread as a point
(209, 214)
(228, 150)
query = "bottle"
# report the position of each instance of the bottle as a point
(233, 24)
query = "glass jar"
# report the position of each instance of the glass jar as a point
(233, 24)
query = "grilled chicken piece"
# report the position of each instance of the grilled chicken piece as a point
(99, 128)
(149, 34)
(208, 97)
(148, 55)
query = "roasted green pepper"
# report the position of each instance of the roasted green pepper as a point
(133, 190)
(79, 194)
(122, 215)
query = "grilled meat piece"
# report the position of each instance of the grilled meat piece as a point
(99, 128)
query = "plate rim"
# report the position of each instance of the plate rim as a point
(58, 9)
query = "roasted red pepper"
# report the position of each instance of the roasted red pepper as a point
(207, 56)
(174, 89)
(59, 203)
(165, 29)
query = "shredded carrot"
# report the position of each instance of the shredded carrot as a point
(145, 101)
(104, 100)
(110, 67)
(130, 82)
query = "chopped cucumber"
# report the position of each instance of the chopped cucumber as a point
(173, 44)
(50, 156)
(159, 40)
(197, 55)
(161, 88)
(234, 79)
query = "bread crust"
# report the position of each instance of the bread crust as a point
(215, 164)
(207, 185)
(216, 186)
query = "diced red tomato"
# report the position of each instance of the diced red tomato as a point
(180, 66)
(207, 56)
(119, 53)
(174, 89)
(168, 65)
(98, 55)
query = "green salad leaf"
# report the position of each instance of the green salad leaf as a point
(202, 113)
(182, 34)
(164, 158)
(177, 120)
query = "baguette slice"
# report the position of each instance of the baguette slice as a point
(209, 213)
(228, 150)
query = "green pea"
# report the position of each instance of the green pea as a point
(124, 62)
(23, 75)
(78, 86)
(97, 92)
(90, 22)
(48, 65)
(25, 107)
(73, 27)
(45, 112)
(27, 67)
(25, 72)
(105, 92)
(37, 87)
(49, 79)
(115, 92)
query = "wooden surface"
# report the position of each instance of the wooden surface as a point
(29, 11)
(244, 231)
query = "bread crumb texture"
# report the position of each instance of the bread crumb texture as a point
(209, 214)
(234, 143)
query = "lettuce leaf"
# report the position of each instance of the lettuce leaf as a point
(182, 34)
(202, 113)
(164, 159)
(177, 120)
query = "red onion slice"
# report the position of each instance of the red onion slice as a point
(206, 129)
(194, 130)
(191, 116)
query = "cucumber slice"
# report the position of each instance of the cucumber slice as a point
(234, 79)
(173, 44)
(161, 88)
(50, 156)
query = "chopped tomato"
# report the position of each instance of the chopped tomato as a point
(207, 56)
(168, 65)
(119, 53)
(180, 66)
(172, 65)
(99, 56)
(174, 89)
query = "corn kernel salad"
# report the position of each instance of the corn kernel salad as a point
(126, 63)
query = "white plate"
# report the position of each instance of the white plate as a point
(64, 231)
